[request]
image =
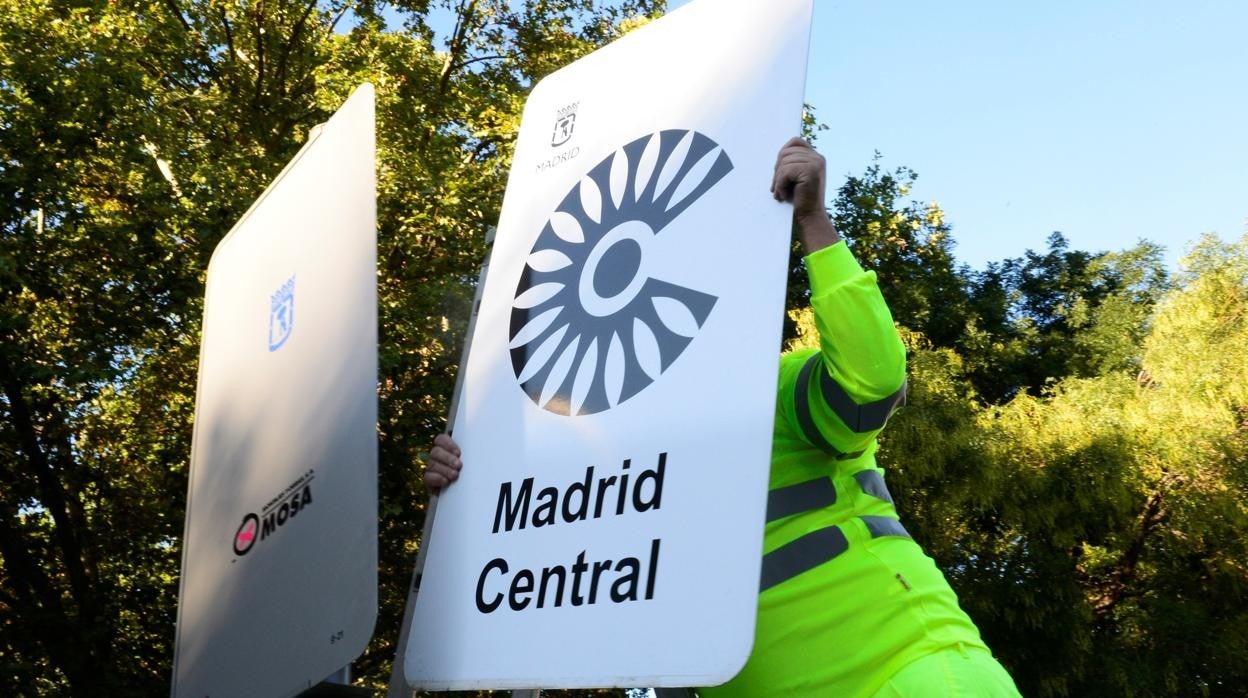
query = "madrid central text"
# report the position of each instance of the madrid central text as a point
(581, 579)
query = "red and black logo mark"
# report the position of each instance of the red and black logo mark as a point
(247, 534)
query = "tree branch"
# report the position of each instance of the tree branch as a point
(52, 494)
(290, 43)
(255, 102)
(478, 59)
(459, 41)
(39, 606)
(229, 35)
(338, 17)
(458, 44)
(37, 590)
(177, 12)
(475, 153)
(198, 39)
(1118, 587)
(231, 52)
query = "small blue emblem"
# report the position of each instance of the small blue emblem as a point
(282, 314)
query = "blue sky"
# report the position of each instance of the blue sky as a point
(1109, 121)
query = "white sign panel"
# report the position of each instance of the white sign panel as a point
(618, 404)
(279, 571)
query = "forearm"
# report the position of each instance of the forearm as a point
(858, 340)
(815, 231)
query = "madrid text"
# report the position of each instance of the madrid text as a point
(559, 158)
(585, 581)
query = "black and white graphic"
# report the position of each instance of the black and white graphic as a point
(565, 125)
(590, 328)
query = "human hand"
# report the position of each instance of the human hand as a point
(799, 179)
(443, 464)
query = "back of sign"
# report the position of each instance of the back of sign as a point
(279, 570)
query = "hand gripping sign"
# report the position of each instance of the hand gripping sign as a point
(618, 399)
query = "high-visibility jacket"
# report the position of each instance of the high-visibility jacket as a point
(847, 598)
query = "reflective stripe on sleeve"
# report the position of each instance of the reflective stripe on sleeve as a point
(880, 526)
(872, 482)
(859, 418)
(804, 496)
(801, 396)
(805, 553)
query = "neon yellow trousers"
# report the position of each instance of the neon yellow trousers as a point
(955, 672)
(878, 618)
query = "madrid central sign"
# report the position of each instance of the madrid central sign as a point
(618, 400)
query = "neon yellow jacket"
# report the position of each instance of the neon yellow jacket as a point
(847, 598)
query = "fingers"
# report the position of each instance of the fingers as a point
(797, 164)
(436, 478)
(792, 173)
(443, 464)
(790, 147)
(445, 441)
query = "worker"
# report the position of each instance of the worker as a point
(849, 605)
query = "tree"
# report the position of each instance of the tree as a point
(133, 136)
(1039, 318)
(1095, 532)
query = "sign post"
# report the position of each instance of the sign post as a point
(618, 401)
(279, 568)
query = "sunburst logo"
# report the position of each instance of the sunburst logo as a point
(590, 326)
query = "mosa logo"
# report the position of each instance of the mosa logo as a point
(281, 314)
(590, 327)
(280, 510)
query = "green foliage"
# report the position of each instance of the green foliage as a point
(1097, 532)
(1039, 318)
